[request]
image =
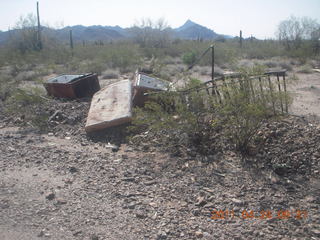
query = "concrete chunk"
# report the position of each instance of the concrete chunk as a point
(111, 106)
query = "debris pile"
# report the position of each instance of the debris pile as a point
(110, 106)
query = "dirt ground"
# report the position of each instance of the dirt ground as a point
(306, 92)
(67, 185)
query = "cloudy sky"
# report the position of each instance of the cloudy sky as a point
(254, 17)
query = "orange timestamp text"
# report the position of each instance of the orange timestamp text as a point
(262, 215)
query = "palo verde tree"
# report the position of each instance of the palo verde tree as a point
(149, 33)
(294, 31)
(24, 36)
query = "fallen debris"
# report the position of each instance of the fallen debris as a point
(143, 83)
(73, 86)
(111, 106)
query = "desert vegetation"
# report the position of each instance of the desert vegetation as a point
(196, 147)
(150, 45)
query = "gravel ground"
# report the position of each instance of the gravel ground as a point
(66, 185)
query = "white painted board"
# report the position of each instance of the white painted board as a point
(111, 106)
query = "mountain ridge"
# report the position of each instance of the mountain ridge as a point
(189, 31)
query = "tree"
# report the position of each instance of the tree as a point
(150, 33)
(294, 30)
(24, 36)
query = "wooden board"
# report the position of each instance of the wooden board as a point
(111, 106)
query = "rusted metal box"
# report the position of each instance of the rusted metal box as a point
(73, 86)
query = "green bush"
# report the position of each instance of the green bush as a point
(28, 105)
(237, 110)
(189, 58)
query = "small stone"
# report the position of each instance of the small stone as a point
(61, 201)
(148, 183)
(76, 233)
(94, 237)
(73, 169)
(201, 202)
(141, 215)
(131, 205)
(237, 202)
(50, 196)
(161, 235)
(316, 232)
(114, 148)
(199, 234)
(40, 234)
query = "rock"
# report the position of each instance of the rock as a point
(148, 183)
(114, 148)
(76, 233)
(161, 235)
(131, 205)
(141, 215)
(199, 234)
(201, 201)
(50, 196)
(316, 232)
(94, 237)
(40, 234)
(237, 202)
(61, 201)
(73, 170)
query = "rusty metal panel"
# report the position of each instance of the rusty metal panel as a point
(111, 106)
(73, 86)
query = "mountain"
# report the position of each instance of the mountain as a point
(189, 30)
(91, 33)
(193, 31)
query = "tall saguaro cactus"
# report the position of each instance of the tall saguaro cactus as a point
(39, 28)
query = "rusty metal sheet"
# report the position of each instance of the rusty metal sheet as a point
(111, 106)
(73, 86)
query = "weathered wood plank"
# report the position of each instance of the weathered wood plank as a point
(111, 106)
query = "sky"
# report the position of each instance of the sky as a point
(259, 18)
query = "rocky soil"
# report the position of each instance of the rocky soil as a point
(63, 184)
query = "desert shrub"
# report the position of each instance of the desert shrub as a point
(271, 64)
(7, 86)
(306, 68)
(93, 67)
(238, 110)
(262, 49)
(110, 74)
(28, 106)
(169, 112)
(247, 105)
(189, 58)
(286, 65)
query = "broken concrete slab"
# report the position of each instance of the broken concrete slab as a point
(111, 106)
(73, 86)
